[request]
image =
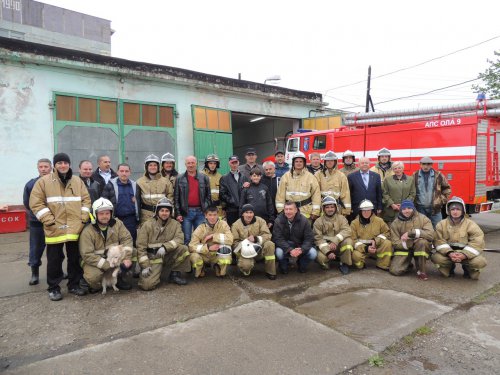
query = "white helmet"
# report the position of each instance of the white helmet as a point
(384, 152)
(366, 205)
(152, 157)
(330, 155)
(328, 200)
(101, 204)
(164, 203)
(348, 153)
(168, 157)
(455, 200)
(299, 155)
(224, 252)
(249, 249)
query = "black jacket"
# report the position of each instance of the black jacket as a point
(93, 188)
(181, 193)
(100, 180)
(300, 233)
(260, 198)
(230, 191)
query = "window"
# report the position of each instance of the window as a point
(293, 145)
(148, 115)
(80, 109)
(212, 119)
(319, 142)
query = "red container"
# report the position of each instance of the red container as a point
(13, 221)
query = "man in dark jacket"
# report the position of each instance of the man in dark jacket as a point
(103, 173)
(192, 197)
(257, 194)
(364, 184)
(294, 238)
(85, 169)
(231, 185)
(271, 180)
(37, 237)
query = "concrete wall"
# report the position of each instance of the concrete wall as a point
(26, 121)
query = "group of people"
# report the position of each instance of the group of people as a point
(284, 215)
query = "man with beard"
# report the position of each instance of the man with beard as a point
(168, 167)
(212, 164)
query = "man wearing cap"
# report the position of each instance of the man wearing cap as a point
(279, 162)
(411, 235)
(459, 240)
(103, 172)
(251, 158)
(231, 186)
(211, 244)
(37, 240)
(433, 190)
(192, 197)
(255, 230)
(61, 202)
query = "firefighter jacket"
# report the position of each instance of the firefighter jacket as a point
(171, 177)
(465, 237)
(383, 173)
(152, 235)
(334, 183)
(94, 246)
(62, 209)
(151, 190)
(364, 231)
(302, 188)
(440, 192)
(417, 226)
(298, 232)
(257, 228)
(221, 236)
(181, 193)
(214, 179)
(348, 169)
(394, 191)
(330, 229)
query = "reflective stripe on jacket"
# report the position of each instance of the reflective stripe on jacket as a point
(465, 234)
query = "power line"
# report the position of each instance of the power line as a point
(416, 65)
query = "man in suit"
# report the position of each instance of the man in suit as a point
(364, 184)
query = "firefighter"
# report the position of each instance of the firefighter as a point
(384, 165)
(371, 237)
(334, 183)
(168, 167)
(299, 186)
(349, 160)
(458, 240)
(104, 231)
(248, 231)
(412, 235)
(332, 236)
(212, 164)
(152, 187)
(160, 244)
(210, 244)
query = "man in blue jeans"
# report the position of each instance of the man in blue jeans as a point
(294, 238)
(191, 198)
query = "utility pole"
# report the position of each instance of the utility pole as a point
(368, 96)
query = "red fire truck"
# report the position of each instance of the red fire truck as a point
(462, 140)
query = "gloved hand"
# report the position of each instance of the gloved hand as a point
(146, 272)
(160, 253)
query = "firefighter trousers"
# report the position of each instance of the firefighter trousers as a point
(199, 260)
(245, 265)
(401, 261)
(175, 260)
(444, 264)
(382, 255)
(342, 252)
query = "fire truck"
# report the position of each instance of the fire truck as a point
(462, 140)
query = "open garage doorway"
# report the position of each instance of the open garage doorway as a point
(265, 133)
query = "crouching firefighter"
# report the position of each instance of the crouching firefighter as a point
(332, 235)
(211, 244)
(458, 240)
(160, 244)
(96, 238)
(370, 235)
(252, 242)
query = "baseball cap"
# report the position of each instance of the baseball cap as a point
(233, 158)
(251, 150)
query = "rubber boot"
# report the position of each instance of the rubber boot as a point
(176, 278)
(34, 276)
(122, 284)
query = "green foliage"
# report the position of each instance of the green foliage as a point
(423, 330)
(491, 79)
(376, 361)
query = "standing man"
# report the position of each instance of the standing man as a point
(103, 173)
(271, 181)
(384, 165)
(433, 190)
(300, 187)
(192, 198)
(122, 193)
(85, 169)
(231, 186)
(37, 240)
(315, 165)
(212, 164)
(152, 187)
(281, 166)
(294, 238)
(62, 203)
(251, 158)
(349, 160)
(168, 167)
(365, 185)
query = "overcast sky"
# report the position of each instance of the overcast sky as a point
(314, 45)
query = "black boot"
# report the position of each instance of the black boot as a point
(122, 284)
(34, 276)
(176, 278)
